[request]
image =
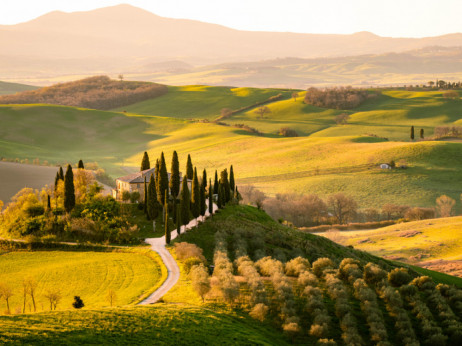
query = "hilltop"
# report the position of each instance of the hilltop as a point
(12, 88)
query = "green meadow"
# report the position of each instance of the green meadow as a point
(12, 88)
(130, 274)
(326, 158)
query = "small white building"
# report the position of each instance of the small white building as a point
(385, 166)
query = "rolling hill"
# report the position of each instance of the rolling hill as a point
(326, 158)
(12, 88)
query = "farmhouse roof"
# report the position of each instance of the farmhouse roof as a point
(137, 177)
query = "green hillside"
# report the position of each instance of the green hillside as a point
(162, 325)
(326, 158)
(7, 88)
(200, 101)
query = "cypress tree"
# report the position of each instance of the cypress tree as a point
(157, 170)
(57, 178)
(215, 184)
(162, 182)
(204, 177)
(225, 183)
(232, 185)
(69, 191)
(412, 132)
(167, 231)
(48, 203)
(220, 196)
(174, 212)
(422, 133)
(153, 204)
(145, 198)
(210, 198)
(61, 173)
(145, 164)
(195, 196)
(80, 165)
(203, 198)
(184, 202)
(175, 176)
(189, 168)
(178, 220)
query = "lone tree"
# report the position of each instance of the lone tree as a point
(444, 205)
(78, 303)
(6, 292)
(111, 297)
(184, 203)
(215, 183)
(80, 164)
(175, 176)
(412, 133)
(421, 133)
(189, 168)
(210, 198)
(195, 196)
(69, 190)
(262, 110)
(145, 164)
(54, 297)
(162, 180)
(294, 96)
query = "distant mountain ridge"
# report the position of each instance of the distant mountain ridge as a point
(126, 39)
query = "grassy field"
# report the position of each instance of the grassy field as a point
(163, 324)
(15, 176)
(86, 274)
(434, 244)
(327, 158)
(7, 88)
(200, 102)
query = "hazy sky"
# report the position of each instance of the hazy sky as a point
(395, 18)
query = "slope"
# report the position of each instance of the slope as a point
(7, 88)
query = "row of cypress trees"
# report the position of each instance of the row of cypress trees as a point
(164, 195)
(69, 188)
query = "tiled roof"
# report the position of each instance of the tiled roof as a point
(137, 177)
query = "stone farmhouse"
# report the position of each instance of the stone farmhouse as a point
(135, 182)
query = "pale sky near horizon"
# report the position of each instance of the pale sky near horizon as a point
(393, 18)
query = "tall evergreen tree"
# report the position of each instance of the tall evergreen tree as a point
(166, 226)
(189, 168)
(162, 182)
(210, 198)
(175, 176)
(184, 202)
(203, 198)
(48, 203)
(195, 196)
(232, 185)
(145, 163)
(422, 133)
(226, 188)
(220, 196)
(80, 164)
(153, 204)
(178, 219)
(69, 190)
(215, 183)
(61, 173)
(57, 178)
(145, 202)
(204, 177)
(412, 132)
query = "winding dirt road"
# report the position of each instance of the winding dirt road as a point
(158, 245)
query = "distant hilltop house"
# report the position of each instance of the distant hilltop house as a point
(135, 182)
(385, 166)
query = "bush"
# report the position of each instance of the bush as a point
(399, 277)
(349, 270)
(78, 303)
(338, 98)
(373, 274)
(186, 250)
(321, 264)
(288, 132)
(190, 262)
(296, 266)
(200, 279)
(259, 312)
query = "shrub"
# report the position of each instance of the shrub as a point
(259, 312)
(349, 270)
(398, 277)
(190, 262)
(288, 132)
(200, 279)
(321, 264)
(373, 274)
(268, 266)
(307, 278)
(186, 250)
(78, 303)
(423, 283)
(296, 266)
